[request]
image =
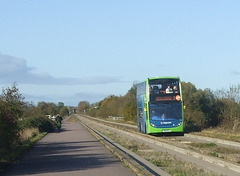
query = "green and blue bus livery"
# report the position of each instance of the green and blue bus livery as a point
(160, 106)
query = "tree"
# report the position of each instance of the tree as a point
(44, 108)
(230, 107)
(193, 115)
(52, 109)
(211, 107)
(83, 106)
(64, 111)
(130, 108)
(130, 112)
(60, 105)
(110, 106)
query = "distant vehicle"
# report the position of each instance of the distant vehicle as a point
(160, 105)
(51, 117)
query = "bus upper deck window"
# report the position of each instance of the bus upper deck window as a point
(169, 90)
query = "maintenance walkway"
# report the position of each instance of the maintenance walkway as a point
(73, 151)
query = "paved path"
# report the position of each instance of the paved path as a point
(73, 151)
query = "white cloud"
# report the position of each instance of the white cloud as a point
(235, 72)
(13, 69)
(10, 65)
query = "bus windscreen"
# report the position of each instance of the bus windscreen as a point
(171, 111)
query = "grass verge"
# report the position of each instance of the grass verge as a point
(220, 134)
(212, 149)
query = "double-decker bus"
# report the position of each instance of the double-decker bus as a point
(160, 105)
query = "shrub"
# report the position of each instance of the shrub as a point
(42, 123)
(10, 112)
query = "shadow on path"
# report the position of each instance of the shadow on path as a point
(66, 151)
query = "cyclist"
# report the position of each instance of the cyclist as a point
(59, 121)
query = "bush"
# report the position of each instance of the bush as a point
(10, 112)
(42, 123)
(45, 125)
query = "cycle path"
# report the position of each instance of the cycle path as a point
(73, 151)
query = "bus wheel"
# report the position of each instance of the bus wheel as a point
(181, 134)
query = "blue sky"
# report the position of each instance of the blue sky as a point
(75, 50)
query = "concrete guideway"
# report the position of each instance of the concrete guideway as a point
(210, 163)
(225, 143)
(73, 151)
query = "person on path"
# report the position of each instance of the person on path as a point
(59, 121)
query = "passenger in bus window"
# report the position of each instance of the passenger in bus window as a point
(155, 90)
(175, 90)
(169, 90)
(150, 88)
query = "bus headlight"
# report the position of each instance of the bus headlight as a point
(152, 124)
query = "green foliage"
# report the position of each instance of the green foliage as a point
(45, 125)
(36, 116)
(121, 106)
(29, 110)
(10, 113)
(130, 108)
(111, 106)
(60, 105)
(42, 123)
(64, 111)
(230, 111)
(204, 108)
(18, 151)
(130, 112)
(194, 117)
(213, 154)
(16, 115)
(44, 108)
(93, 111)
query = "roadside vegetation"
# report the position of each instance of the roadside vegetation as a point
(205, 109)
(213, 113)
(212, 149)
(22, 123)
(220, 133)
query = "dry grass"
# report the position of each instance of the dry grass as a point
(228, 154)
(220, 134)
(72, 119)
(29, 133)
